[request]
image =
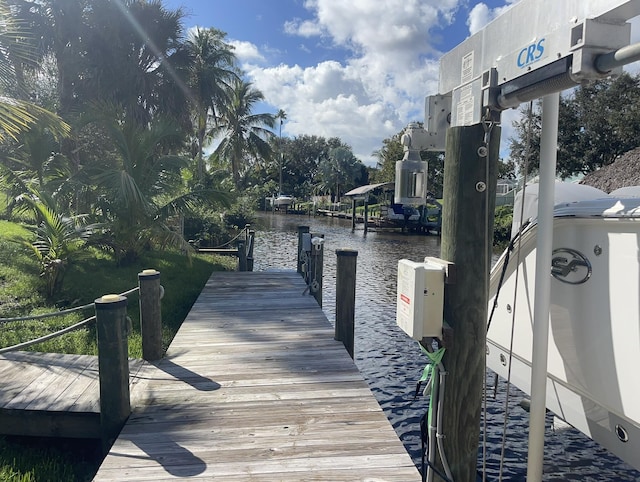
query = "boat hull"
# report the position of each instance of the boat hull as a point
(594, 336)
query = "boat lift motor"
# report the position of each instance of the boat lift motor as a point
(411, 171)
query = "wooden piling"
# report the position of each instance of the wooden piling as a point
(366, 214)
(113, 364)
(316, 268)
(469, 204)
(150, 314)
(346, 297)
(251, 242)
(242, 255)
(301, 231)
(353, 214)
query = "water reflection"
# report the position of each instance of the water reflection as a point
(391, 362)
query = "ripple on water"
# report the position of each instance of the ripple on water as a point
(392, 363)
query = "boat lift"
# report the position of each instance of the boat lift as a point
(536, 49)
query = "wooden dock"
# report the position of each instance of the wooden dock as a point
(52, 394)
(254, 387)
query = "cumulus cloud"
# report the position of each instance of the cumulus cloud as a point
(393, 63)
(481, 15)
(303, 28)
(246, 51)
(381, 86)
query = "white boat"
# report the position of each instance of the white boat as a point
(283, 201)
(593, 381)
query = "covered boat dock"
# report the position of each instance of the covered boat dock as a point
(362, 193)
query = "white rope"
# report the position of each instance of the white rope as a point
(63, 312)
(488, 127)
(46, 315)
(64, 331)
(231, 240)
(515, 292)
(26, 344)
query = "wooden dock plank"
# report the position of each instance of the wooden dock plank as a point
(253, 387)
(52, 394)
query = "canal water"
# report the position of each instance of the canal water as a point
(392, 363)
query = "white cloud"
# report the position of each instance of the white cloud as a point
(302, 28)
(246, 51)
(480, 15)
(379, 89)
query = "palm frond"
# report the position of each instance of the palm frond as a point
(17, 116)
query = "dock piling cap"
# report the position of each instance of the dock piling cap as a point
(110, 298)
(149, 272)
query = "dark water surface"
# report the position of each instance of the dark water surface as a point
(392, 363)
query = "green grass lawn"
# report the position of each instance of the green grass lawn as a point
(23, 459)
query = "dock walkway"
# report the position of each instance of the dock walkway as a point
(254, 387)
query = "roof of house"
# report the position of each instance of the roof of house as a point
(623, 172)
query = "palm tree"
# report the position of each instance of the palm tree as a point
(143, 191)
(129, 48)
(282, 116)
(57, 237)
(16, 51)
(210, 72)
(244, 135)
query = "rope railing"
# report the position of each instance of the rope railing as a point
(46, 315)
(61, 332)
(244, 231)
(50, 336)
(112, 329)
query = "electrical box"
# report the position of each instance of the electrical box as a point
(420, 298)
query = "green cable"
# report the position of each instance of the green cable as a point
(434, 359)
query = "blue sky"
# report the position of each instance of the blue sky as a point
(354, 69)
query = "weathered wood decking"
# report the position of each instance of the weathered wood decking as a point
(253, 387)
(50, 394)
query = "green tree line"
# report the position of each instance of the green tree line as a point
(598, 122)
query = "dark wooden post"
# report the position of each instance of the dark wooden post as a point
(346, 297)
(242, 255)
(316, 268)
(113, 365)
(251, 241)
(469, 204)
(150, 314)
(366, 214)
(353, 214)
(301, 231)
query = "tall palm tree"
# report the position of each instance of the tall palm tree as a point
(16, 51)
(244, 135)
(210, 73)
(282, 116)
(129, 47)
